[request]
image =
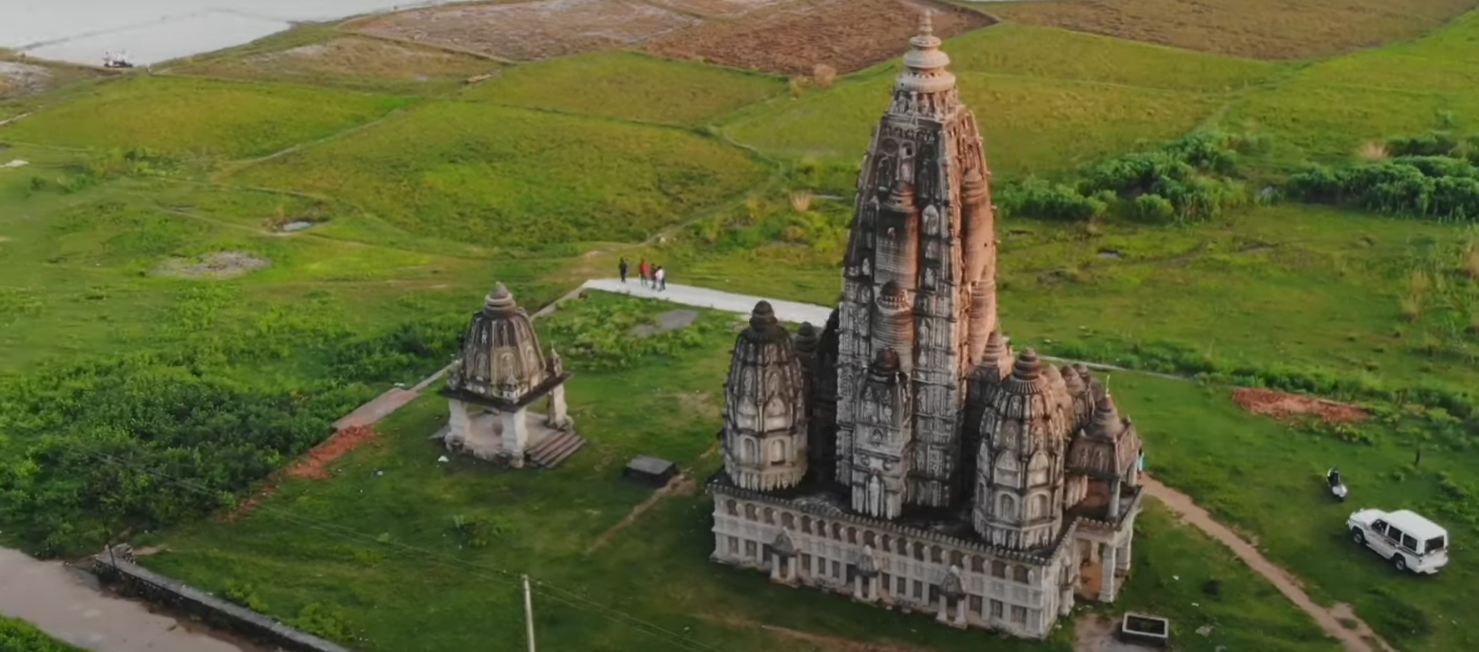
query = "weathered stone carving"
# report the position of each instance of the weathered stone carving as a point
(502, 368)
(765, 412)
(947, 474)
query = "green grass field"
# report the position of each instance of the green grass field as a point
(376, 542)
(199, 117)
(629, 86)
(471, 172)
(423, 191)
(1031, 125)
(1268, 480)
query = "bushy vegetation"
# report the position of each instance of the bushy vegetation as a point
(629, 86)
(1432, 175)
(516, 178)
(20, 636)
(132, 442)
(1189, 179)
(600, 333)
(184, 116)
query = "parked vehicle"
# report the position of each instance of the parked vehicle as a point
(1337, 486)
(1404, 538)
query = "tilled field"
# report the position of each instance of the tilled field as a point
(528, 31)
(794, 38)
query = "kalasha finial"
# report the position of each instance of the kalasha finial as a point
(926, 23)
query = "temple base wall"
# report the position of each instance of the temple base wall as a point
(1007, 593)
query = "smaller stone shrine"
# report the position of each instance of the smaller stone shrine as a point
(500, 373)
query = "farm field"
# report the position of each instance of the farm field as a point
(387, 516)
(284, 230)
(1259, 28)
(629, 86)
(326, 57)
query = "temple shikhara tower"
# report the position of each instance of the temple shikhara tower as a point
(905, 455)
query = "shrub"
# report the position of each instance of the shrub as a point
(1154, 208)
(823, 75)
(245, 595)
(1427, 178)
(321, 621)
(479, 531)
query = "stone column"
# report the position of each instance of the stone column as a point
(1065, 601)
(457, 423)
(559, 416)
(873, 589)
(1114, 500)
(943, 615)
(1107, 589)
(515, 436)
(857, 587)
(961, 604)
(775, 567)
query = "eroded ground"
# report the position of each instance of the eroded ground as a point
(795, 38)
(790, 37)
(529, 31)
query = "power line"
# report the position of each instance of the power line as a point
(561, 595)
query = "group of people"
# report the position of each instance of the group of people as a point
(652, 276)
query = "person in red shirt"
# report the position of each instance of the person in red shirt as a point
(645, 271)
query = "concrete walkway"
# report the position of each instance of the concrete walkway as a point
(67, 604)
(741, 304)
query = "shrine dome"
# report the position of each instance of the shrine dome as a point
(765, 406)
(501, 360)
(1028, 410)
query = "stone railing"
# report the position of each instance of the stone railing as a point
(115, 566)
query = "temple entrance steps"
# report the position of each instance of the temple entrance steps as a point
(552, 450)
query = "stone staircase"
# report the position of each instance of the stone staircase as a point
(552, 450)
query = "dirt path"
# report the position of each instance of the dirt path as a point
(1358, 639)
(680, 484)
(822, 640)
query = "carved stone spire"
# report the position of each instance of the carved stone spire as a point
(925, 64)
(765, 435)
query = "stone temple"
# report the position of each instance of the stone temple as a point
(905, 456)
(500, 373)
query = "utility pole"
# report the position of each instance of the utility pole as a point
(529, 613)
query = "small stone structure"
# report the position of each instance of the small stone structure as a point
(501, 372)
(905, 456)
(1145, 630)
(116, 566)
(650, 470)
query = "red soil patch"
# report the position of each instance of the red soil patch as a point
(1282, 405)
(794, 38)
(315, 463)
(312, 465)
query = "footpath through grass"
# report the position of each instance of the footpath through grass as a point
(1267, 480)
(516, 178)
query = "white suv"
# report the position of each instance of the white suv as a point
(1410, 541)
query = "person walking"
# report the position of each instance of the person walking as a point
(660, 277)
(622, 267)
(644, 270)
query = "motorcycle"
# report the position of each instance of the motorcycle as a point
(1337, 486)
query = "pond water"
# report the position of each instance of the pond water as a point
(151, 31)
(68, 604)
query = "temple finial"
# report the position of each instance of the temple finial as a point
(926, 23)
